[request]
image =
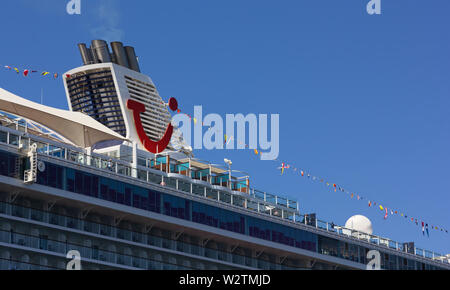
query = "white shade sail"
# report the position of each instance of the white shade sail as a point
(78, 128)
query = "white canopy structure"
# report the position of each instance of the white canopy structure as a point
(78, 128)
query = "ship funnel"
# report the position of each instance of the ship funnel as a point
(85, 54)
(120, 54)
(100, 48)
(132, 59)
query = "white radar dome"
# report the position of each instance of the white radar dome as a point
(359, 223)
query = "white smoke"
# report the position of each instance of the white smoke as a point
(108, 18)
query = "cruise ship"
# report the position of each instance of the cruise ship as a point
(112, 179)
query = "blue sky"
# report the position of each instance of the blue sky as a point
(363, 100)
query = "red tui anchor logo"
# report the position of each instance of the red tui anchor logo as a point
(151, 146)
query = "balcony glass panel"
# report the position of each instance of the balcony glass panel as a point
(198, 190)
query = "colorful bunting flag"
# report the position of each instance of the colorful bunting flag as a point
(27, 72)
(359, 197)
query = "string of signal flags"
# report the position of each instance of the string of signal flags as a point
(284, 166)
(371, 204)
(29, 72)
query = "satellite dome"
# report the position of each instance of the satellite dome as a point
(359, 223)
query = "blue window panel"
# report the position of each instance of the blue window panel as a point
(52, 176)
(4, 164)
(78, 182)
(217, 217)
(112, 195)
(154, 201)
(127, 198)
(135, 200)
(121, 198)
(176, 207)
(276, 233)
(87, 184)
(104, 191)
(95, 183)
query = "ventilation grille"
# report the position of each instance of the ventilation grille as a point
(156, 117)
